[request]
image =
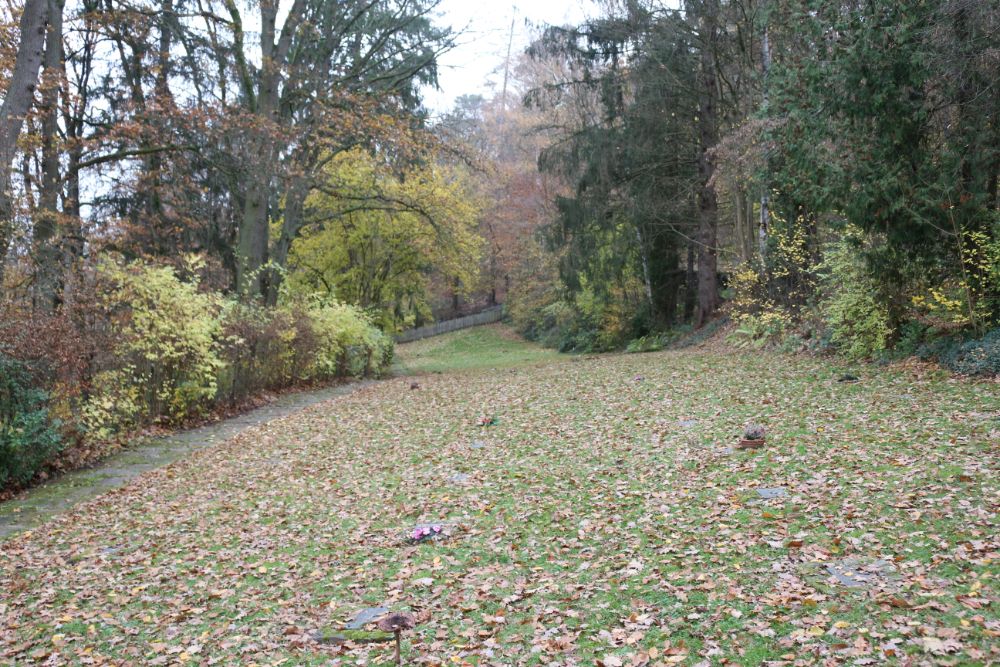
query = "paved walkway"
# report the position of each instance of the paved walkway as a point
(38, 504)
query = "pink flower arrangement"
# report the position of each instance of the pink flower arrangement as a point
(423, 532)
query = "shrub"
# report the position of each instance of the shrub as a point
(747, 290)
(858, 319)
(28, 438)
(153, 347)
(59, 349)
(760, 329)
(912, 336)
(974, 357)
(262, 349)
(348, 343)
(554, 323)
(648, 343)
(165, 358)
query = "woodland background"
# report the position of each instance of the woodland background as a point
(204, 200)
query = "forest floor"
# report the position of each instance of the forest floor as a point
(604, 517)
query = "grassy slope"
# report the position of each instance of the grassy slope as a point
(487, 347)
(594, 526)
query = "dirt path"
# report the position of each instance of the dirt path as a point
(38, 504)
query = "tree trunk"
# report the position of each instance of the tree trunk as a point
(252, 237)
(74, 112)
(163, 242)
(20, 95)
(293, 219)
(744, 212)
(644, 256)
(690, 284)
(251, 245)
(46, 237)
(765, 196)
(708, 206)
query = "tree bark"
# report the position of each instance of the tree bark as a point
(251, 244)
(17, 102)
(46, 236)
(708, 206)
(690, 282)
(644, 256)
(74, 111)
(744, 226)
(765, 195)
(293, 219)
(252, 236)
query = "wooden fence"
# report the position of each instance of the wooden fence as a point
(487, 316)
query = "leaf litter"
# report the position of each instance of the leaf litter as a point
(589, 539)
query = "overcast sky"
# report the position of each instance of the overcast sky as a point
(485, 24)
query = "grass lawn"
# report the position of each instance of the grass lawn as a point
(602, 520)
(487, 347)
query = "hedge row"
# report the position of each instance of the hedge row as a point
(153, 348)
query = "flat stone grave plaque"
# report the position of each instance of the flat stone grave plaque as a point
(366, 616)
(855, 573)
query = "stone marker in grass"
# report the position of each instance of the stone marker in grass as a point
(856, 573)
(366, 616)
(768, 494)
(354, 630)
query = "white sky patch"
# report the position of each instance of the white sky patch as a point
(475, 66)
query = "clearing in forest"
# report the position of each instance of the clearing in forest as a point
(603, 515)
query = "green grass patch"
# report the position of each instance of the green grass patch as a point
(476, 348)
(604, 519)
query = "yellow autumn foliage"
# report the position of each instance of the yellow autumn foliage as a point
(179, 350)
(377, 236)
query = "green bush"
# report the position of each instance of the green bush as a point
(648, 343)
(974, 357)
(28, 438)
(583, 326)
(158, 348)
(767, 327)
(180, 350)
(857, 317)
(349, 344)
(165, 358)
(912, 336)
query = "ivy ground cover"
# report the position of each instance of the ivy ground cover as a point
(602, 517)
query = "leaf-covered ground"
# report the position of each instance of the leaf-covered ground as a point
(603, 520)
